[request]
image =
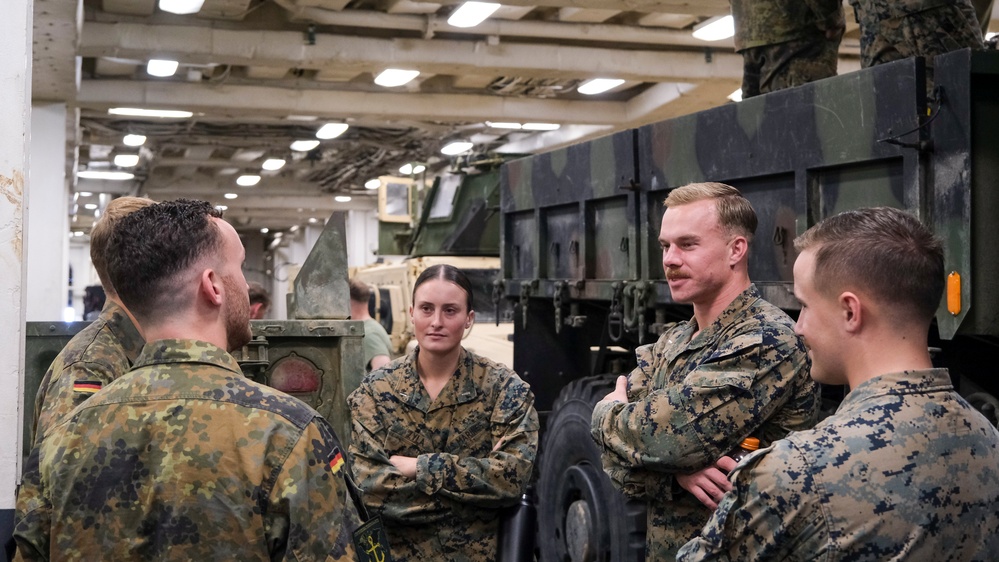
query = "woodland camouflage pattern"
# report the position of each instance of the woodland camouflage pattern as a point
(101, 352)
(786, 43)
(897, 29)
(694, 400)
(904, 470)
(450, 511)
(185, 459)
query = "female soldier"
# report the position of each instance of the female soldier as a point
(442, 438)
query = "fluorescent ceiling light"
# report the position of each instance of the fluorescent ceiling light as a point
(231, 195)
(181, 6)
(304, 145)
(598, 85)
(331, 130)
(456, 147)
(85, 194)
(104, 175)
(264, 230)
(342, 198)
(134, 140)
(541, 126)
(373, 184)
(90, 206)
(136, 112)
(418, 169)
(406, 169)
(393, 77)
(471, 14)
(222, 207)
(501, 125)
(736, 95)
(126, 160)
(161, 67)
(248, 180)
(715, 29)
(77, 234)
(273, 164)
(314, 220)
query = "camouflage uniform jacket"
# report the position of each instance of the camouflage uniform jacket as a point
(475, 446)
(693, 399)
(183, 458)
(768, 22)
(98, 354)
(904, 470)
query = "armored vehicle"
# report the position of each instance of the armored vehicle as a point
(581, 261)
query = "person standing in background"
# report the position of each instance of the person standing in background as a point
(377, 345)
(260, 301)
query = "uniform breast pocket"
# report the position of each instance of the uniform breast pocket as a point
(472, 437)
(402, 441)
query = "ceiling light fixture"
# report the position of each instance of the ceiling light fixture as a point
(502, 125)
(331, 130)
(541, 126)
(85, 194)
(456, 147)
(181, 6)
(90, 206)
(134, 140)
(406, 169)
(126, 160)
(161, 67)
(393, 77)
(272, 164)
(715, 29)
(264, 230)
(222, 207)
(471, 14)
(373, 184)
(304, 145)
(419, 168)
(104, 175)
(136, 112)
(248, 180)
(231, 195)
(342, 198)
(598, 86)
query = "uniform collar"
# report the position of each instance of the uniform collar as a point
(162, 352)
(898, 383)
(117, 320)
(735, 310)
(461, 388)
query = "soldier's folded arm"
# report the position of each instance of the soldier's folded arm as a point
(33, 515)
(686, 427)
(493, 480)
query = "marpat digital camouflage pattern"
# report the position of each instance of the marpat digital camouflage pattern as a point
(475, 446)
(184, 458)
(905, 469)
(896, 29)
(100, 353)
(695, 398)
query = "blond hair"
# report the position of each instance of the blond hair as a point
(100, 234)
(735, 213)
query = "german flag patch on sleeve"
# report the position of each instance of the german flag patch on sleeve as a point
(336, 460)
(87, 387)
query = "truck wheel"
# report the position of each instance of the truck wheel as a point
(581, 516)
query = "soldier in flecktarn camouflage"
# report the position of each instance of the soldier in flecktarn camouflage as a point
(905, 469)
(101, 352)
(786, 43)
(735, 370)
(443, 439)
(892, 29)
(183, 458)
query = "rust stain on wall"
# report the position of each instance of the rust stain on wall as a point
(12, 189)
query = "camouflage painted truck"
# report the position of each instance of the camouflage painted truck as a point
(580, 256)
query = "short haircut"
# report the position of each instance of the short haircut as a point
(151, 248)
(258, 294)
(359, 291)
(101, 232)
(447, 273)
(882, 251)
(735, 213)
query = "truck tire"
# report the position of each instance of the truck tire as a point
(581, 516)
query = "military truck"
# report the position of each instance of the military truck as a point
(581, 261)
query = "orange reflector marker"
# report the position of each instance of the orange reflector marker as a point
(954, 293)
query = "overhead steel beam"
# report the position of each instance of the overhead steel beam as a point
(698, 8)
(285, 49)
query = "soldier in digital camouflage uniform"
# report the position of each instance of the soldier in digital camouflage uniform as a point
(905, 469)
(442, 438)
(183, 458)
(896, 29)
(734, 370)
(101, 352)
(786, 43)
